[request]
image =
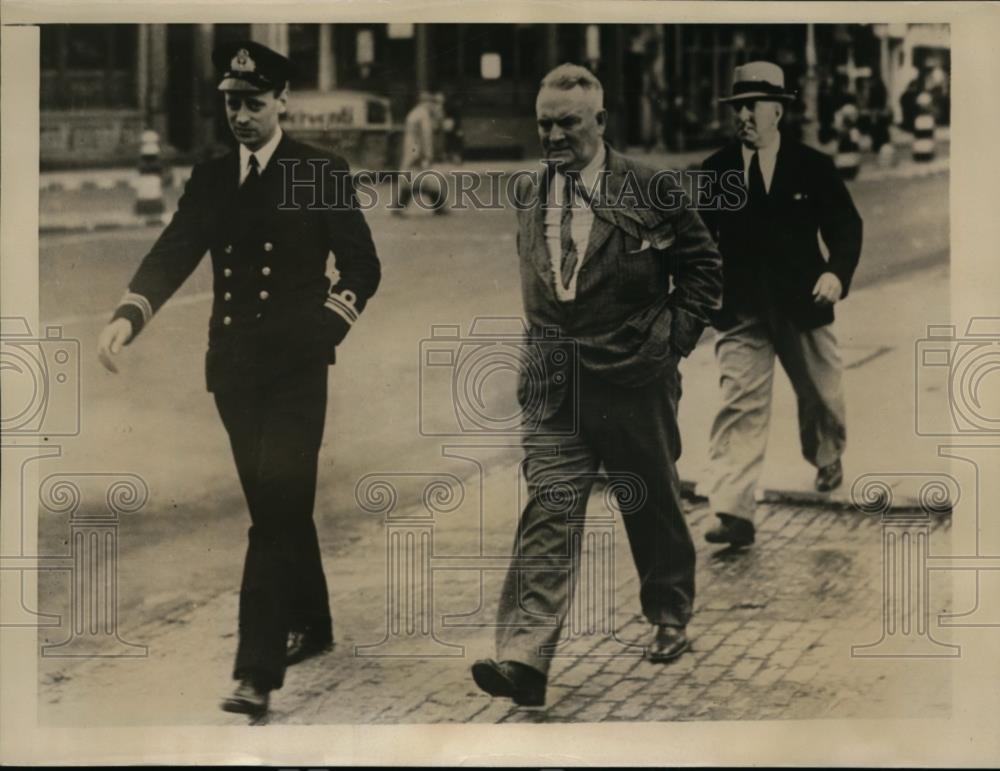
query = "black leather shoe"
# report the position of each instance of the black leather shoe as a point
(247, 699)
(305, 645)
(736, 531)
(511, 680)
(829, 477)
(666, 643)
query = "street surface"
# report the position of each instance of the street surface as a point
(772, 630)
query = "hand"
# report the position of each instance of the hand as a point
(336, 327)
(828, 289)
(111, 340)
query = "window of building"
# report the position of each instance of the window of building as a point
(303, 51)
(89, 65)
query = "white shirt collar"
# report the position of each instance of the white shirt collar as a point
(590, 172)
(767, 154)
(263, 154)
(768, 159)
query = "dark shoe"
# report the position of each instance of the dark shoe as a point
(667, 643)
(247, 699)
(305, 645)
(829, 477)
(511, 680)
(736, 531)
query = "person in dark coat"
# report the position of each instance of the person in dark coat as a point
(627, 283)
(778, 298)
(276, 322)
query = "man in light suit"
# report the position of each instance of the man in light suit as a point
(419, 152)
(276, 322)
(597, 263)
(778, 298)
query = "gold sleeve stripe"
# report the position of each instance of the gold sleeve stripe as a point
(140, 302)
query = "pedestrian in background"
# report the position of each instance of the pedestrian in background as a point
(600, 271)
(421, 133)
(275, 325)
(778, 298)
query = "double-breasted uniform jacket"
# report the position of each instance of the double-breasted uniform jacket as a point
(274, 306)
(650, 278)
(770, 250)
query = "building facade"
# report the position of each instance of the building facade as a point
(103, 84)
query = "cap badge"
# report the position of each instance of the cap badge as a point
(242, 62)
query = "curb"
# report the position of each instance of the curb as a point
(837, 501)
(99, 226)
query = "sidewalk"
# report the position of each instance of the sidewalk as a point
(104, 199)
(772, 638)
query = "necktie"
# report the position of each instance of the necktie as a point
(758, 193)
(568, 256)
(254, 174)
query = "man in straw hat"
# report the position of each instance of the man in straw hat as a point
(778, 298)
(276, 322)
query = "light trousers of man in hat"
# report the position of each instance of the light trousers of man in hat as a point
(745, 355)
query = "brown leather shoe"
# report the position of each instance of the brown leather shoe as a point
(830, 477)
(736, 531)
(305, 645)
(247, 699)
(666, 643)
(511, 680)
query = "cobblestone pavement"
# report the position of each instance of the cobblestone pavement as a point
(771, 638)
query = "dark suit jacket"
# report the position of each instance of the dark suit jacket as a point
(771, 255)
(627, 323)
(274, 308)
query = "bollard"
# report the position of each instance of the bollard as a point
(923, 129)
(847, 159)
(887, 156)
(149, 184)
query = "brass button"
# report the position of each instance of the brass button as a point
(266, 270)
(268, 246)
(227, 272)
(227, 296)
(227, 321)
(229, 248)
(264, 294)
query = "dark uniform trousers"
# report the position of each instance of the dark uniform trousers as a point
(630, 430)
(275, 433)
(276, 322)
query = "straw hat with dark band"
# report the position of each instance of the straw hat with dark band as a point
(759, 80)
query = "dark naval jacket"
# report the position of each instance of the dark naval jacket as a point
(770, 249)
(275, 308)
(649, 281)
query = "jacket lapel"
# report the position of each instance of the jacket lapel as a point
(782, 173)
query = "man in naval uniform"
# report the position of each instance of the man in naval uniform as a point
(778, 298)
(275, 324)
